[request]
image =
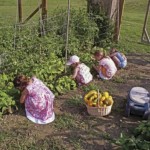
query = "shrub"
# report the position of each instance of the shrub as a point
(139, 140)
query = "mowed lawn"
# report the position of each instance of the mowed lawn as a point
(131, 27)
(8, 8)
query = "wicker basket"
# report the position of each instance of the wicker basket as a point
(99, 111)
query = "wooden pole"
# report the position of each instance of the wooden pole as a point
(20, 10)
(43, 18)
(145, 21)
(44, 10)
(120, 6)
(32, 14)
(67, 34)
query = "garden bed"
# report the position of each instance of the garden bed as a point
(73, 127)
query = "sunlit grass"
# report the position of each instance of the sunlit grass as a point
(91, 86)
(75, 101)
(118, 79)
(65, 121)
(132, 26)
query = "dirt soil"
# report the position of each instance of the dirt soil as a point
(74, 128)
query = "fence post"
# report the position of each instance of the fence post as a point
(44, 10)
(67, 34)
(144, 32)
(120, 6)
(20, 10)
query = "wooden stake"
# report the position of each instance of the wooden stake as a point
(44, 10)
(120, 6)
(67, 34)
(145, 21)
(20, 10)
(33, 13)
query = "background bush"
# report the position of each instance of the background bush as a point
(25, 50)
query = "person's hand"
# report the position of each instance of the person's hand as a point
(92, 57)
(72, 77)
(125, 58)
(98, 68)
(33, 76)
(94, 66)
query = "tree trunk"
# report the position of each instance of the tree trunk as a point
(112, 8)
(109, 7)
(98, 6)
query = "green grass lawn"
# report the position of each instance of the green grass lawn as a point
(8, 8)
(131, 27)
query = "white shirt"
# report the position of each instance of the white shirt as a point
(109, 65)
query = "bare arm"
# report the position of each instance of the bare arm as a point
(23, 96)
(101, 69)
(113, 54)
(75, 72)
(124, 56)
(97, 68)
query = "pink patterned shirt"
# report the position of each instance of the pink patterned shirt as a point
(39, 101)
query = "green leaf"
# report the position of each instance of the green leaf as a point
(4, 109)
